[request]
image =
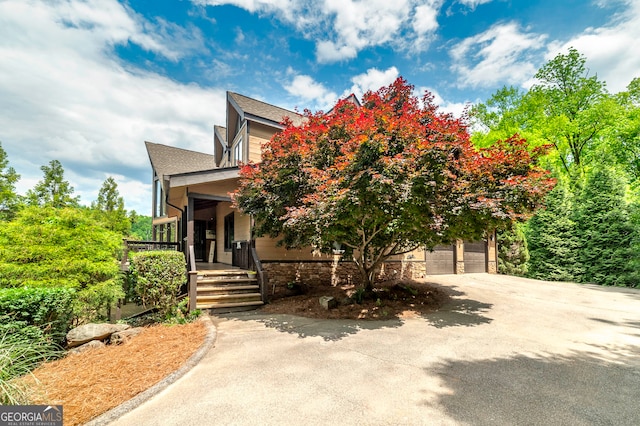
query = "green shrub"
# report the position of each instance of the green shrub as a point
(19, 355)
(48, 247)
(49, 310)
(159, 276)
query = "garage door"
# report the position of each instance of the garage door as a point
(440, 260)
(475, 257)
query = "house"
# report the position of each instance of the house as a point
(192, 206)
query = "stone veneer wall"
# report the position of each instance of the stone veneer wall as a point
(337, 273)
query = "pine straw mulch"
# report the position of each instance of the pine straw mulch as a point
(95, 381)
(389, 300)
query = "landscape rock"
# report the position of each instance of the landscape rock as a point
(88, 332)
(328, 302)
(120, 337)
(93, 344)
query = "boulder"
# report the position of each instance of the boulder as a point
(88, 332)
(120, 337)
(328, 302)
(93, 344)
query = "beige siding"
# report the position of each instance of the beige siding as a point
(242, 224)
(255, 149)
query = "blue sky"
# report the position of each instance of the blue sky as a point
(86, 82)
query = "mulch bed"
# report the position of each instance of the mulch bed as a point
(93, 382)
(390, 299)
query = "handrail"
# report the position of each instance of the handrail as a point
(193, 279)
(262, 274)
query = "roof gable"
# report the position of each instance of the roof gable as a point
(167, 160)
(255, 108)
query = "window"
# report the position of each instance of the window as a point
(159, 209)
(237, 152)
(228, 232)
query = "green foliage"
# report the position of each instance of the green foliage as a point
(61, 247)
(513, 252)
(551, 238)
(573, 106)
(8, 197)
(159, 276)
(19, 355)
(52, 190)
(606, 236)
(110, 208)
(39, 311)
(385, 178)
(141, 227)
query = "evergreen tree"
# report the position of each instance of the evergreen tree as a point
(8, 197)
(110, 207)
(52, 190)
(550, 233)
(606, 235)
(513, 252)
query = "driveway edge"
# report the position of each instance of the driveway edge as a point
(136, 401)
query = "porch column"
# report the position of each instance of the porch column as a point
(459, 256)
(492, 253)
(190, 223)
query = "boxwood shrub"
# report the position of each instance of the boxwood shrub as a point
(158, 277)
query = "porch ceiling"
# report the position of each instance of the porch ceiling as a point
(215, 175)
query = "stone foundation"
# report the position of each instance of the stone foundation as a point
(337, 273)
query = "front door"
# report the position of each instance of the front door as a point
(199, 240)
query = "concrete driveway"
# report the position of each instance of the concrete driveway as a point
(505, 351)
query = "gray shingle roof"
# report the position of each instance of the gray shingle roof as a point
(222, 131)
(265, 110)
(167, 160)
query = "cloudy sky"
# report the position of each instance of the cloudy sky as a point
(86, 82)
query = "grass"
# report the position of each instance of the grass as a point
(19, 355)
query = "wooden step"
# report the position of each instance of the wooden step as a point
(226, 280)
(227, 305)
(215, 297)
(223, 288)
(223, 273)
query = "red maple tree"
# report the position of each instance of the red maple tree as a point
(385, 178)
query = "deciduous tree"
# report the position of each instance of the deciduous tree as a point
(384, 178)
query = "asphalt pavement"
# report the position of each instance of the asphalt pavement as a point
(504, 351)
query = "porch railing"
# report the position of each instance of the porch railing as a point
(193, 279)
(136, 246)
(245, 256)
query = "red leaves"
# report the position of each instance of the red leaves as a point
(394, 162)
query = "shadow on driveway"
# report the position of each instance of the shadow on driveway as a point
(457, 312)
(584, 388)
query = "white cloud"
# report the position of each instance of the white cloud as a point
(501, 55)
(311, 92)
(472, 4)
(342, 28)
(611, 50)
(65, 96)
(372, 80)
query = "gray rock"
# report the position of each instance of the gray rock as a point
(328, 302)
(87, 332)
(120, 337)
(93, 344)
